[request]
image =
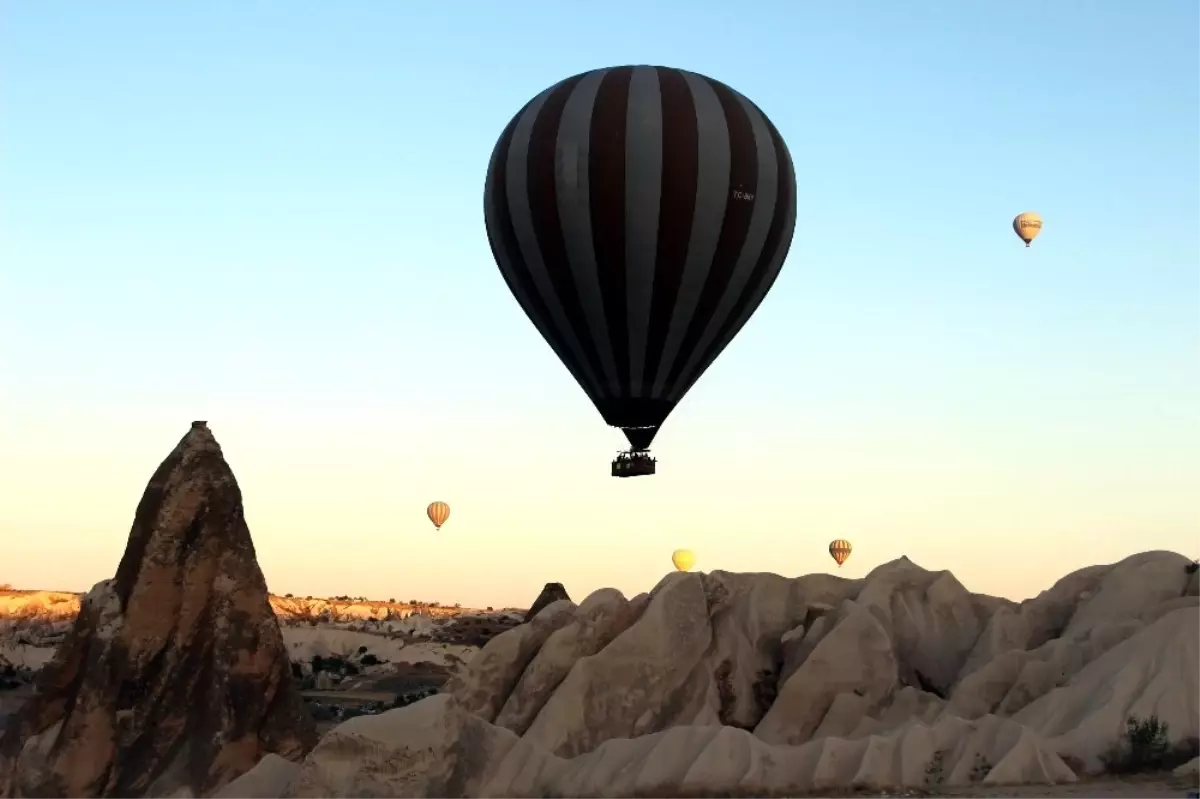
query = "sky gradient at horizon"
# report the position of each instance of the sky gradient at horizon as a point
(270, 217)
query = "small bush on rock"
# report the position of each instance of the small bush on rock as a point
(1146, 746)
(980, 768)
(935, 768)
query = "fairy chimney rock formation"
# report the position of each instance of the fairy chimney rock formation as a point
(550, 594)
(174, 679)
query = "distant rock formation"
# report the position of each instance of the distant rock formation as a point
(726, 684)
(174, 678)
(552, 593)
(49, 607)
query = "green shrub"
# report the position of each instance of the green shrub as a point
(935, 768)
(1146, 746)
(980, 768)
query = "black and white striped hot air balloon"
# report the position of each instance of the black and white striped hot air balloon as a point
(639, 215)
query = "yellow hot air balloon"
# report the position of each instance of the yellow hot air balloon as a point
(683, 559)
(438, 513)
(1027, 226)
(840, 549)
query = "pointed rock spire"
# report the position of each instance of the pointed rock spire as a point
(174, 679)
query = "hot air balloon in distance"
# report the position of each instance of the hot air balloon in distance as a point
(438, 513)
(683, 559)
(639, 215)
(839, 550)
(1027, 225)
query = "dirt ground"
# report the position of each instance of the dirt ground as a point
(1138, 787)
(1148, 786)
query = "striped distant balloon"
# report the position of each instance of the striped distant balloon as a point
(840, 549)
(639, 216)
(438, 513)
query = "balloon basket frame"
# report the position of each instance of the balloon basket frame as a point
(633, 463)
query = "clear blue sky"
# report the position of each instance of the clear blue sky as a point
(269, 215)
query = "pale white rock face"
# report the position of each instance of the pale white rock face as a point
(1155, 672)
(498, 667)
(748, 684)
(269, 778)
(603, 615)
(1133, 587)
(853, 661)
(435, 748)
(648, 672)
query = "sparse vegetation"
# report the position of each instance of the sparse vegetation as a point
(287, 596)
(403, 700)
(1146, 746)
(12, 677)
(766, 688)
(935, 769)
(980, 768)
(725, 697)
(333, 664)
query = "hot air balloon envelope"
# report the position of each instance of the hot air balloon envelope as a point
(438, 513)
(840, 549)
(639, 215)
(683, 559)
(1027, 225)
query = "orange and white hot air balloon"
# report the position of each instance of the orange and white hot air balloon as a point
(839, 550)
(438, 513)
(1027, 226)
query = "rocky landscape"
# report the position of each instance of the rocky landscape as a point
(181, 676)
(392, 649)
